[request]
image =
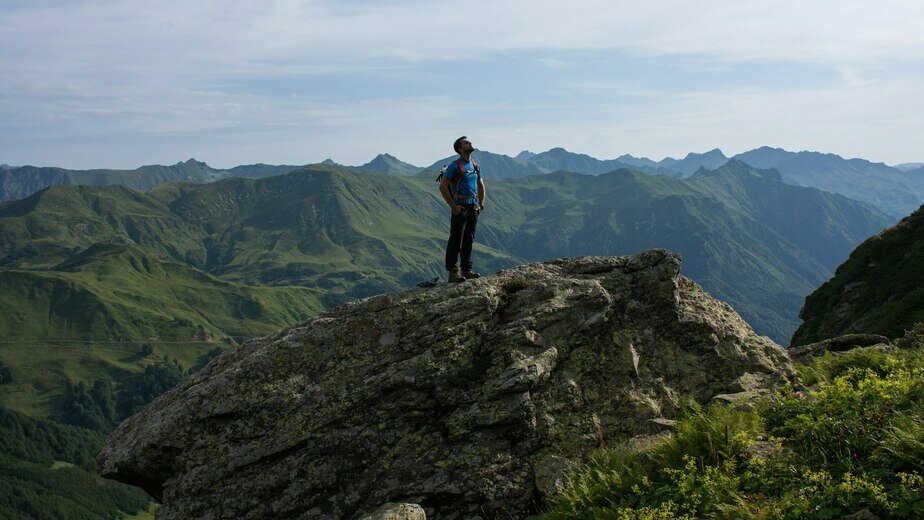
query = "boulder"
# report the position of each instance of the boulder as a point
(844, 343)
(462, 398)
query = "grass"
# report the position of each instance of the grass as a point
(847, 436)
(147, 514)
(40, 369)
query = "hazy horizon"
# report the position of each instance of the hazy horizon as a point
(219, 165)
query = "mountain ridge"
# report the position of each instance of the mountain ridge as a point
(340, 229)
(890, 189)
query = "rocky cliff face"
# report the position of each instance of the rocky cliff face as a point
(460, 398)
(878, 290)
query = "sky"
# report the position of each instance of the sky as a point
(122, 83)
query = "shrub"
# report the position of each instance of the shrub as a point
(852, 441)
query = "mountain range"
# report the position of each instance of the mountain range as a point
(107, 286)
(324, 235)
(896, 191)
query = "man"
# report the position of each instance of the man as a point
(463, 190)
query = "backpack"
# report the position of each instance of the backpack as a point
(455, 185)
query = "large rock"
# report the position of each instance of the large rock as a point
(448, 397)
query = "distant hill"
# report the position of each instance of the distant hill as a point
(256, 171)
(892, 190)
(745, 235)
(887, 188)
(908, 166)
(559, 159)
(20, 182)
(694, 161)
(749, 238)
(878, 290)
(17, 183)
(636, 161)
(496, 166)
(122, 292)
(385, 163)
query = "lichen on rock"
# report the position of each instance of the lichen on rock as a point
(450, 397)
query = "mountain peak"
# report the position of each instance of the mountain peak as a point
(715, 153)
(737, 168)
(387, 163)
(192, 162)
(363, 394)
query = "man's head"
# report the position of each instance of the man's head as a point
(462, 145)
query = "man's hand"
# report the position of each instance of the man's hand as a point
(456, 209)
(478, 210)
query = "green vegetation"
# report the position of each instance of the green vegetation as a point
(41, 370)
(100, 283)
(48, 466)
(847, 436)
(6, 375)
(325, 235)
(878, 290)
(47, 471)
(102, 407)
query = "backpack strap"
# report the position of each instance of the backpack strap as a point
(462, 174)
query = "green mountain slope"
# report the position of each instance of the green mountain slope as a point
(119, 291)
(878, 290)
(91, 275)
(47, 471)
(385, 163)
(500, 166)
(350, 233)
(747, 236)
(258, 171)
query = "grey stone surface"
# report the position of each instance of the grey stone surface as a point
(397, 512)
(448, 397)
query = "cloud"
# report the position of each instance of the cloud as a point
(352, 79)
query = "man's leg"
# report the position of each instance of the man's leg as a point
(456, 225)
(468, 237)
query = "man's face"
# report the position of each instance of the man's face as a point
(465, 146)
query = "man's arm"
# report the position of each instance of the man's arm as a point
(448, 175)
(481, 192)
(444, 190)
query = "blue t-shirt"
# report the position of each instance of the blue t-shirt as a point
(467, 191)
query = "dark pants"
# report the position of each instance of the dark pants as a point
(461, 236)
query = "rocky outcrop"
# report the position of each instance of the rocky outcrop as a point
(840, 344)
(462, 398)
(878, 290)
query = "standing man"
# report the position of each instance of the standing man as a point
(463, 190)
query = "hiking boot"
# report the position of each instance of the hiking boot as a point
(470, 274)
(455, 277)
